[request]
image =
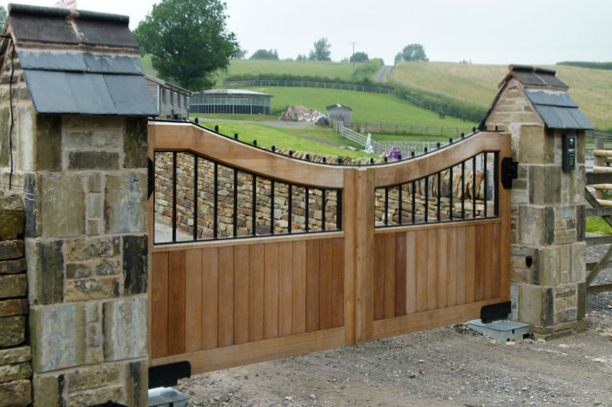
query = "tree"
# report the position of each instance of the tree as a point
(265, 54)
(321, 51)
(188, 41)
(302, 58)
(359, 57)
(3, 16)
(412, 53)
(241, 54)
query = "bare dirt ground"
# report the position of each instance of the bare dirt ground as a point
(448, 366)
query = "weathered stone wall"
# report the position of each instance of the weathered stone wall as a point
(15, 354)
(205, 198)
(84, 182)
(548, 213)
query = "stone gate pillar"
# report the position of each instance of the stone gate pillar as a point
(78, 133)
(548, 206)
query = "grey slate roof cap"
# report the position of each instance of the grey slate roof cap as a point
(534, 76)
(558, 110)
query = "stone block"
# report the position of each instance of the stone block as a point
(125, 206)
(566, 315)
(135, 143)
(125, 329)
(45, 271)
(94, 206)
(93, 377)
(109, 139)
(535, 147)
(580, 222)
(544, 184)
(13, 286)
(581, 301)
(12, 331)
(15, 355)
(40, 140)
(104, 267)
(32, 207)
(536, 305)
(93, 160)
(16, 394)
(58, 337)
(12, 266)
(78, 139)
(93, 313)
(135, 252)
(18, 371)
(95, 397)
(5, 118)
(11, 308)
(578, 262)
(93, 335)
(94, 227)
(48, 390)
(62, 205)
(91, 248)
(520, 272)
(11, 249)
(94, 183)
(91, 289)
(536, 225)
(136, 383)
(12, 216)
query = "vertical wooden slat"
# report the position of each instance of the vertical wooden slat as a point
(379, 277)
(411, 272)
(241, 294)
(460, 265)
(226, 296)
(389, 275)
(349, 226)
(176, 303)
(432, 270)
(159, 305)
(312, 286)
(487, 269)
(480, 260)
(470, 263)
(256, 292)
(451, 255)
(285, 270)
(496, 264)
(298, 308)
(337, 283)
(421, 262)
(210, 298)
(193, 310)
(271, 291)
(442, 247)
(400, 274)
(325, 283)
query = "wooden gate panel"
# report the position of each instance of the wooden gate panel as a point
(210, 298)
(159, 305)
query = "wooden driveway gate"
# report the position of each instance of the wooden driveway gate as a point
(258, 256)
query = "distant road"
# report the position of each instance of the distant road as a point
(381, 75)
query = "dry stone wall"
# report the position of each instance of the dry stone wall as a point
(15, 354)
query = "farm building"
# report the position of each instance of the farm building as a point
(171, 100)
(231, 101)
(340, 113)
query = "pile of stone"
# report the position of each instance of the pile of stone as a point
(300, 114)
(15, 356)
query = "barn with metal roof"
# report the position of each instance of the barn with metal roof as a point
(230, 101)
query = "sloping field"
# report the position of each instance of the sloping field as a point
(590, 88)
(330, 70)
(367, 107)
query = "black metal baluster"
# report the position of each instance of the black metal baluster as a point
(439, 196)
(254, 207)
(195, 197)
(323, 212)
(290, 208)
(496, 183)
(216, 202)
(485, 184)
(174, 196)
(339, 209)
(462, 188)
(474, 187)
(451, 185)
(426, 199)
(272, 207)
(386, 206)
(400, 204)
(235, 214)
(307, 209)
(413, 201)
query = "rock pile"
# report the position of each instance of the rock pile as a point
(300, 114)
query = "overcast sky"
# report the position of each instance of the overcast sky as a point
(482, 31)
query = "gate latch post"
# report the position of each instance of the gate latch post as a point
(151, 177)
(509, 171)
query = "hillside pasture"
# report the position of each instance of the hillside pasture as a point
(367, 107)
(590, 88)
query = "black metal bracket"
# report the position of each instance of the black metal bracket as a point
(495, 312)
(509, 171)
(151, 177)
(168, 375)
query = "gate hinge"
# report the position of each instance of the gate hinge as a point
(151, 178)
(509, 171)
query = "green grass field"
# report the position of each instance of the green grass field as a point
(246, 117)
(148, 65)
(367, 107)
(590, 88)
(306, 140)
(595, 224)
